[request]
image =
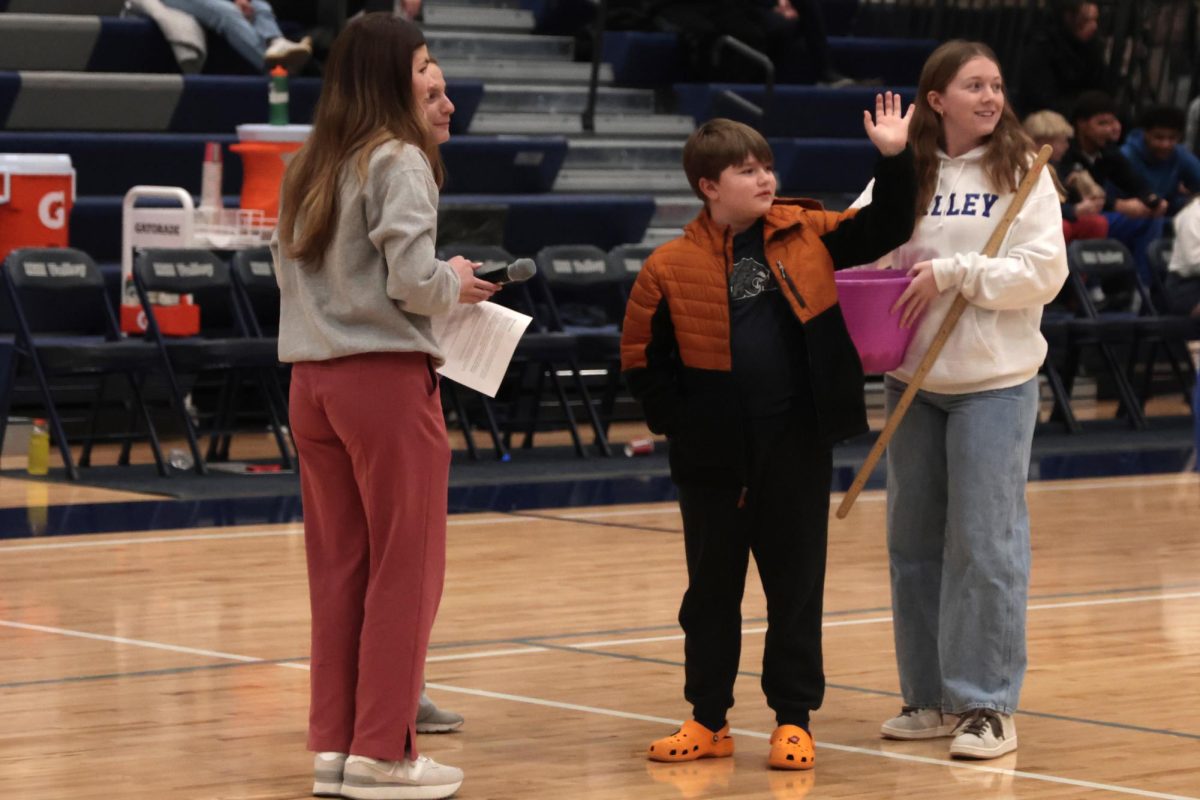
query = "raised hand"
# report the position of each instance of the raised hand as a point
(889, 129)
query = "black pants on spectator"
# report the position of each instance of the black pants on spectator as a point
(784, 523)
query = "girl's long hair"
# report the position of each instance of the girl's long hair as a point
(1009, 148)
(366, 100)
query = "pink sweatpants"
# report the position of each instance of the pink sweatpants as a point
(374, 467)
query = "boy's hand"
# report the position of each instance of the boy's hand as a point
(919, 294)
(889, 130)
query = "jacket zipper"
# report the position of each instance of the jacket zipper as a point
(792, 286)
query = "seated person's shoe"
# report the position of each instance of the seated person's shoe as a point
(918, 723)
(288, 54)
(327, 774)
(690, 742)
(791, 748)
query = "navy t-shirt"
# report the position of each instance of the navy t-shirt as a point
(766, 339)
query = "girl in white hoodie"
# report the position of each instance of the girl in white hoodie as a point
(958, 526)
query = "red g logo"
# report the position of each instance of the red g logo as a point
(52, 212)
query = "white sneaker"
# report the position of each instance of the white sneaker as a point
(291, 55)
(327, 774)
(918, 723)
(431, 719)
(984, 733)
(424, 779)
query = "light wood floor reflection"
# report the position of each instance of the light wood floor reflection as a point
(173, 664)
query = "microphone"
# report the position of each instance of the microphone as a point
(520, 270)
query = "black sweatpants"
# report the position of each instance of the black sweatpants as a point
(784, 522)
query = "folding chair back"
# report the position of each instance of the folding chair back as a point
(57, 291)
(201, 274)
(586, 292)
(626, 260)
(254, 278)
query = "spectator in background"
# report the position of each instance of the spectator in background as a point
(1063, 59)
(1134, 211)
(250, 28)
(1183, 276)
(1084, 199)
(1156, 154)
(773, 27)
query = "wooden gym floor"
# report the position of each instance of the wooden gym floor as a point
(173, 664)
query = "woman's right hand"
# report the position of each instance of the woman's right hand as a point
(471, 289)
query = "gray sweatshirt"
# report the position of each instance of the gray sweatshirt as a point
(378, 283)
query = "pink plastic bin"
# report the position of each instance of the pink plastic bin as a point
(866, 297)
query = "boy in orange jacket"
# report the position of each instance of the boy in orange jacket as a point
(734, 344)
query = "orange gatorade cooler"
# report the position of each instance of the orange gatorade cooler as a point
(265, 150)
(37, 192)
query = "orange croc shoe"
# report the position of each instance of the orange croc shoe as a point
(791, 748)
(691, 742)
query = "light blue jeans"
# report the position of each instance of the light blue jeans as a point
(224, 18)
(958, 541)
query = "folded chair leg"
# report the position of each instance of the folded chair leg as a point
(276, 423)
(565, 402)
(1128, 397)
(189, 429)
(221, 421)
(601, 441)
(151, 434)
(460, 410)
(535, 408)
(85, 452)
(498, 441)
(1062, 399)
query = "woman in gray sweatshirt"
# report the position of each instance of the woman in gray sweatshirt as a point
(354, 256)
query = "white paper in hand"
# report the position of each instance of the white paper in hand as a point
(478, 341)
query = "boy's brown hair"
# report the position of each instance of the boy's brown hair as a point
(721, 143)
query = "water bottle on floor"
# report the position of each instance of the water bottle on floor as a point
(39, 449)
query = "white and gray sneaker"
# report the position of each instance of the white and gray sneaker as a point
(423, 779)
(918, 723)
(984, 733)
(327, 774)
(431, 719)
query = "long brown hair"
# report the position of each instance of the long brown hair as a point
(1009, 148)
(366, 100)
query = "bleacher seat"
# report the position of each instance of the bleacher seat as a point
(794, 111)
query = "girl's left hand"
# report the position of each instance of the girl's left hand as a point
(889, 130)
(919, 294)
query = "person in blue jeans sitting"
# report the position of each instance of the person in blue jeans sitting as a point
(250, 28)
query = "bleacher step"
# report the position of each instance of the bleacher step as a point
(522, 70)
(99, 8)
(620, 180)
(459, 45)
(569, 124)
(624, 153)
(674, 211)
(525, 98)
(46, 41)
(477, 18)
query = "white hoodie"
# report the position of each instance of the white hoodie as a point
(997, 342)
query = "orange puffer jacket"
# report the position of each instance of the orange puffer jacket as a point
(675, 343)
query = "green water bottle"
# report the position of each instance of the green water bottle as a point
(39, 449)
(277, 96)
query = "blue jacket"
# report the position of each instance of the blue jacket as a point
(1164, 176)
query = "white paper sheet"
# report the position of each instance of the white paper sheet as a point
(478, 341)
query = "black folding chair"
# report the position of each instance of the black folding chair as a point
(626, 260)
(224, 345)
(1109, 260)
(543, 351)
(65, 328)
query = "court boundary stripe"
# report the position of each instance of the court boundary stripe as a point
(530, 646)
(537, 701)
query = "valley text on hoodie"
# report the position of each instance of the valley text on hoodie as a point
(997, 342)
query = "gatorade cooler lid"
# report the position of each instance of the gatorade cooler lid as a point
(273, 133)
(36, 164)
